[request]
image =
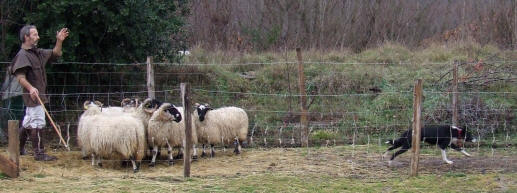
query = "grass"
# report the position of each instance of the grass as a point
(323, 169)
(367, 93)
(282, 183)
(372, 103)
(373, 88)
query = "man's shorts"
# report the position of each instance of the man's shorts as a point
(34, 118)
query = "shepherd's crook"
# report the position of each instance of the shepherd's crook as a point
(53, 124)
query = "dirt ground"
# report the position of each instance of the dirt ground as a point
(306, 166)
(340, 161)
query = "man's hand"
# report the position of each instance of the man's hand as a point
(62, 34)
(34, 94)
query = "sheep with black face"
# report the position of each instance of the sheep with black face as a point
(222, 126)
(167, 129)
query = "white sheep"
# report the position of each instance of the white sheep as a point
(143, 112)
(167, 128)
(126, 106)
(106, 136)
(86, 117)
(222, 126)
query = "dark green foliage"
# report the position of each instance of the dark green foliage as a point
(106, 31)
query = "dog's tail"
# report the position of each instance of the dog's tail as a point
(391, 142)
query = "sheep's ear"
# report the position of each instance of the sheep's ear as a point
(162, 116)
(98, 103)
(165, 106)
(125, 102)
(85, 104)
(150, 111)
(147, 101)
(196, 105)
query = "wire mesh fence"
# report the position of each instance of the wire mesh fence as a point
(357, 104)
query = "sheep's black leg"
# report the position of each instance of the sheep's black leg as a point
(203, 154)
(194, 155)
(237, 146)
(150, 155)
(169, 150)
(99, 161)
(93, 159)
(179, 155)
(124, 163)
(153, 160)
(212, 150)
(84, 156)
(240, 146)
(135, 165)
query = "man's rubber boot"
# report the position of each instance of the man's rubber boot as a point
(39, 147)
(24, 134)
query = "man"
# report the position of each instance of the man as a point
(29, 68)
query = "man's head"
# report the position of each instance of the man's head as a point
(29, 35)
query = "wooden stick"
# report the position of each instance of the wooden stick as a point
(53, 124)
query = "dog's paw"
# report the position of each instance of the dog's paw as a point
(384, 155)
(465, 153)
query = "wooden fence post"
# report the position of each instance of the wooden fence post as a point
(301, 85)
(150, 78)
(415, 142)
(455, 94)
(11, 165)
(185, 96)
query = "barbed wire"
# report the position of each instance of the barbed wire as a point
(279, 62)
(257, 94)
(344, 121)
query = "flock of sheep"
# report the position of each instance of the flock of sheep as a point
(129, 131)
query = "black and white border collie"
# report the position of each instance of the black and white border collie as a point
(441, 135)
